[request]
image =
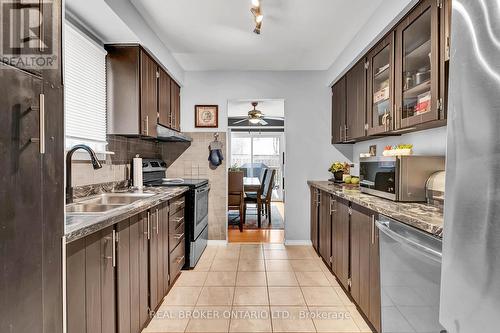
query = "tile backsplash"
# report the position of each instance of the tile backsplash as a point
(116, 167)
(194, 164)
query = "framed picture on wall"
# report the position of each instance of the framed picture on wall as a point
(206, 116)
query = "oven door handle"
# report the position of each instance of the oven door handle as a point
(203, 190)
(428, 252)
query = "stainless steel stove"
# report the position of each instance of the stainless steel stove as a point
(154, 172)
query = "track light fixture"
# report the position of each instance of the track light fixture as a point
(258, 17)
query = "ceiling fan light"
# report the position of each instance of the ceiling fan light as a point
(259, 18)
(254, 121)
(256, 3)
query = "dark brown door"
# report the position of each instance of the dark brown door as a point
(164, 99)
(175, 105)
(340, 241)
(360, 258)
(380, 87)
(144, 233)
(149, 100)
(130, 235)
(417, 66)
(91, 283)
(165, 250)
(339, 111)
(356, 102)
(325, 227)
(75, 285)
(314, 218)
(21, 224)
(375, 299)
(153, 259)
(444, 59)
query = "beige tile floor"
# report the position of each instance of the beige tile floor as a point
(257, 288)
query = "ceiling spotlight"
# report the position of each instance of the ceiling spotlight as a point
(257, 14)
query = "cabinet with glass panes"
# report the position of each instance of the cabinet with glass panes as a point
(417, 66)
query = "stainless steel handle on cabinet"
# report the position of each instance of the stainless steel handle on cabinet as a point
(147, 125)
(373, 229)
(178, 236)
(332, 202)
(340, 132)
(113, 249)
(157, 222)
(149, 226)
(179, 259)
(178, 222)
(42, 124)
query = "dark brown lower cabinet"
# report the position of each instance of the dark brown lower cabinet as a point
(132, 236)
(375, 298)
(340, 240)
(360, 258)
(325, 227)
(91, 283)
(348, 235)
(314, 218)
(158, 257)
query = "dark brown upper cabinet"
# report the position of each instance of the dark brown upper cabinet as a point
(140, 93)
(164, 99)
(356, 102)
(417, 66)
(339, 111)
(380, 87)
(401, 82)
(175, 106)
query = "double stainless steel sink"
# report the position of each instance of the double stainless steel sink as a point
(104, 203)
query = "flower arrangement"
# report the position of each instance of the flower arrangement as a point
(338, 169)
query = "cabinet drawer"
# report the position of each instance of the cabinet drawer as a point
(176, 236)
(177, 205)
(177, 259)
(175, 221)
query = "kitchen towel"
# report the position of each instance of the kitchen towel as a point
(215, 153)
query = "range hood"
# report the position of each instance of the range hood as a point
(169, 135)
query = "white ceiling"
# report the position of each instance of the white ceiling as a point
(217, 34)
(269, 107)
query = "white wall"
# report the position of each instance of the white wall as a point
(386, 15)
(428, 142)
(307, 126)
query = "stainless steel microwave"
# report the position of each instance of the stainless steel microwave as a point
(398, 178)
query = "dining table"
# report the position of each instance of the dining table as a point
(252, 184)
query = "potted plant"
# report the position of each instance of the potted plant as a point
(337, 169)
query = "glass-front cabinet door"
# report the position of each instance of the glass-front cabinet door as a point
(417, 66)
(380, 97)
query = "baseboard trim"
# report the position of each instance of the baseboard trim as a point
(298, 242)
(214, 242)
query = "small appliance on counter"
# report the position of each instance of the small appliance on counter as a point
(434, 189)
(196, 221)
(398, 178)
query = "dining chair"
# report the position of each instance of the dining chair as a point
(264, 200)
(236, 195)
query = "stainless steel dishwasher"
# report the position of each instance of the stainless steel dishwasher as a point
(410, 276)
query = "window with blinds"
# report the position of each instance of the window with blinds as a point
(84, 90)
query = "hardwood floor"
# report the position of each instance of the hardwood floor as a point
(259, 235)
(256, 236)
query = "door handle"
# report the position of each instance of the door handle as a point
(373, 229)
(41, 124)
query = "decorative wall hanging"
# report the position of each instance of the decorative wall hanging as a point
(206, 116)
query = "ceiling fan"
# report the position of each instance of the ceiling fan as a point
(256, 117)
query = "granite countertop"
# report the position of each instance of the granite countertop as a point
(419, 215)
(79, 226)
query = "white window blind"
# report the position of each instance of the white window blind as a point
(84, 90)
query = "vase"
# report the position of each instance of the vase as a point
(338, 175)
